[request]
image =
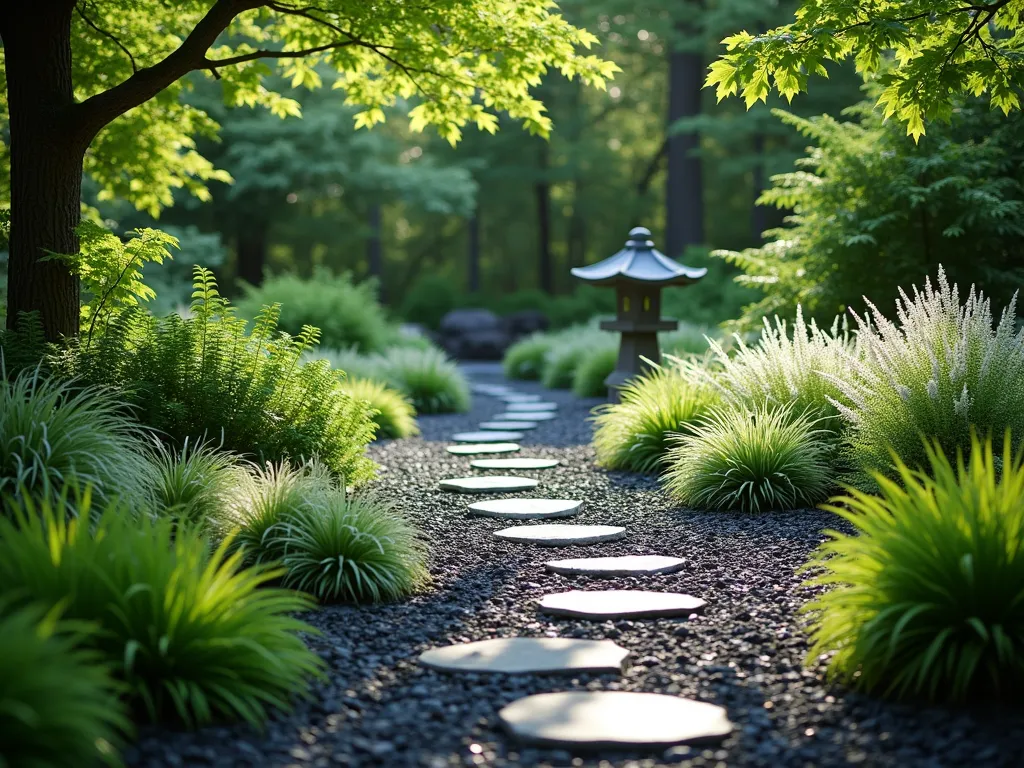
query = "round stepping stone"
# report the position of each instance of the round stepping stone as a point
(528, 655)
(471, 448)
(526, 416)
(488, 484)
(511, 426)
(526, 509)
(516, 463)
(487, 436)
(561, 534)
(595, 719)
(620, 604)
(628, 565)
(489, 389)
(517, 398)
(532, 406)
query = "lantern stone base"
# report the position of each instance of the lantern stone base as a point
(636, 348)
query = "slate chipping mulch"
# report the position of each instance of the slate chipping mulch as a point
(379, 708)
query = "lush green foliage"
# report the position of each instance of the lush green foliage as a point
(872, 211)
(753, 461)
(428, 379)
(526, 358)
(798, 368)
(53, 434)
(570, 350)
(927, 597)
(59, 706)
(943, 369)
(346, 313)
(394, 415)
(351, 549)
(593, 369)
(636, 433)
(191, 483)
(207, 377)
(191, 633)
(942, 49)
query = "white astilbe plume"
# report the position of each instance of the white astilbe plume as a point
(943, 369)
(782, 369)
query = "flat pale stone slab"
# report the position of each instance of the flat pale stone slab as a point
(526, 416)
(472, 448)
(526, 509)
(561, 534)
(515, 397)
(489, 389)
(528, 655)
(516, 463)
(596, 719)
(511, 426)
(628, 565)
(532, 406)
(487, 436)
(488, 484)
(620, 604)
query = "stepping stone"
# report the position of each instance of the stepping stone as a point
(595, 719)
(628, 565)
(511, 426)
(526, 509)
(532, 406)
(517, 463)
(528, 655)
(517, 398)
(487, 436)
(620, 604)
(561, 534)
(489, 389)
(471, 448)
(488, 484)
(526, 416)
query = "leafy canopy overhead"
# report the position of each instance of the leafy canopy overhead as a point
(461, 61)
(924, 53)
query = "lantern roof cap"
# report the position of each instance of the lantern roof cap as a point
(639, 262)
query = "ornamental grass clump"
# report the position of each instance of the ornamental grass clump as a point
(635, 434)
(191, 633)
(59, 704)
(752, 461)
(54, 434)
(940, 371)
(593, 369)
(926, 598)
(392, 412)
(192, 483)
(569, 352)
(799, 368)
(525, 359)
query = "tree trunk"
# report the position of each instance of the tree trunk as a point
(375, 253)
(542, 190)
(252, 251)
(684, 199)
(474, 252)
(46, 165)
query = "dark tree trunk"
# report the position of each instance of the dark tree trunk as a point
(252, 251)
(542, 190)
(474, 252)
(758, 213)
(46, 165)
(374, 251)
(684, 198)
(576, 241)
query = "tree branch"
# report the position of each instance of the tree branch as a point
(268, 54)
(652, 168)
(108, 35)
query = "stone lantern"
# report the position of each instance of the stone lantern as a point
(638, 272)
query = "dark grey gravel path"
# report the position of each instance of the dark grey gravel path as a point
(745, 652)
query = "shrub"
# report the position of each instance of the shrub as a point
(571, 347)
(352, 550)
(941, 371)
(751, 461)
(634, 434)
(346, 313)
(801, 368)
(429, 299)
(525, 359)
(59, 706)
(207, 377)
(189, 631)
(927, 597)
(688, 339)
(588, 379)
(394, 415)
(193, 482)
(52, 434)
